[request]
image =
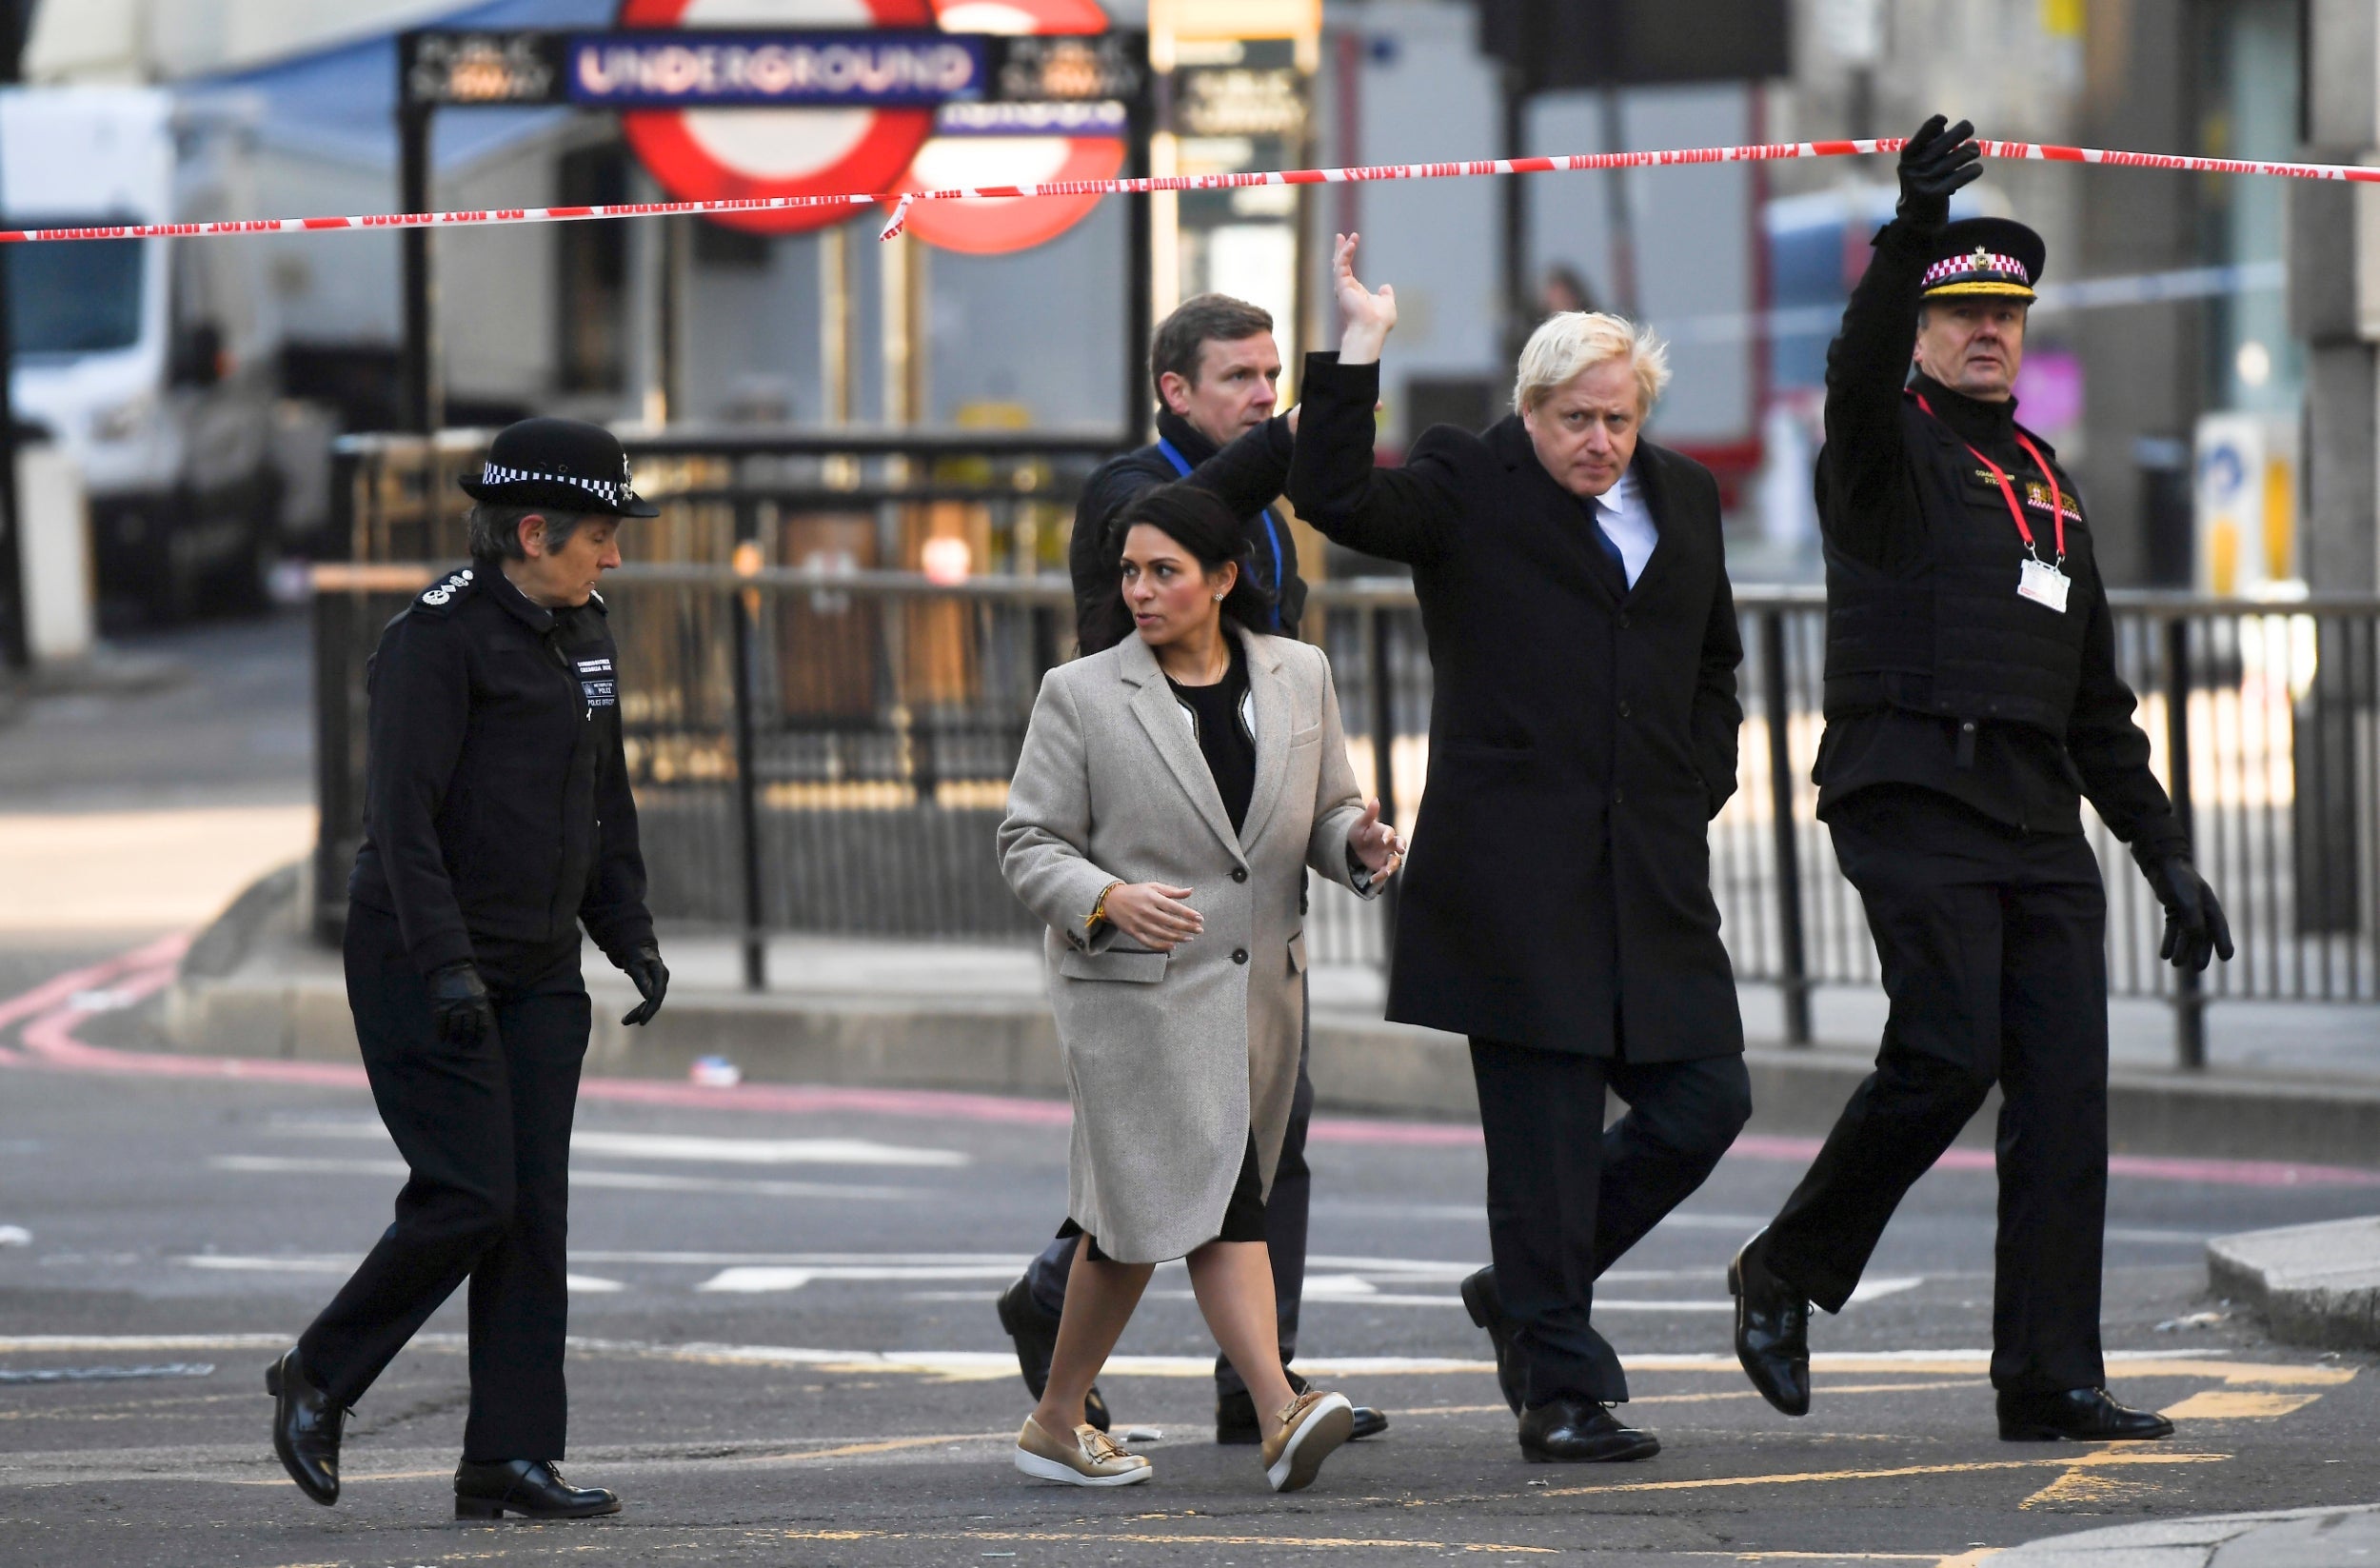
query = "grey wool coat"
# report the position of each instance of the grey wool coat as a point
(1173, 1058)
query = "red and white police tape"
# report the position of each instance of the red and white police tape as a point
(1571, 162)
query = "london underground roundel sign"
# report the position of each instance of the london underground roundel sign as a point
(727, 154)
(1012, 143)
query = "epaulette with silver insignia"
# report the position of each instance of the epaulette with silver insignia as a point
(444, 592)
(596, 601)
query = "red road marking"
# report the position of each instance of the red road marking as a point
(48, 1041)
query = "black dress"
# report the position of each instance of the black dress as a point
(1215, 712)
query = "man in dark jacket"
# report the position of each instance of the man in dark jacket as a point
(498, 821)
(1972, 700)
(1215, 368)
(1557, 905)
(1216, 374)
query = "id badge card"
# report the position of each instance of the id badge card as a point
(597, 684)
(2043, 584)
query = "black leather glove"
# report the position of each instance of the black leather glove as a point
(458, 1002)
(2194, 927)
(652, 982)
(1934, 162)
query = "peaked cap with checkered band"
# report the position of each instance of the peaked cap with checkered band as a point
(1984, 256)
(566, 464)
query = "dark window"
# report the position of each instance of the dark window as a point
(716, 245)
(74, 297)
(593, 258)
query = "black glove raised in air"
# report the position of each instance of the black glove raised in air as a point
(1934, 163)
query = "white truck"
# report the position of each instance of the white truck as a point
(152, 362)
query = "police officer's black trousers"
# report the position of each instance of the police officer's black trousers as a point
(1992, 942)
(486, 1131)
(1285, 1208)
(1568, 1195)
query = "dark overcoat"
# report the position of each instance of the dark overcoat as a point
(1582, 734)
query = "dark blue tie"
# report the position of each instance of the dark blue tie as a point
(1602, 537)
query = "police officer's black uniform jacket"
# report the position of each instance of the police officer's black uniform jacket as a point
(1248, 473)
(1964, 726)
(496, 801)
(1938, 674)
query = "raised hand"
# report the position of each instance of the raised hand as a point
(1934, 163)
(1376, 844)
(1366, 317)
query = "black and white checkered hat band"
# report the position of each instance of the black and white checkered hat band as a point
(496, 473)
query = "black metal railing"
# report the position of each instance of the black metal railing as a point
(835, 500)
(829, 752)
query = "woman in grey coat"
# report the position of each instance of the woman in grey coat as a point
(1171, 793)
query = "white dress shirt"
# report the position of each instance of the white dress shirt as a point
(1625, 519)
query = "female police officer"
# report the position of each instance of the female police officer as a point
(497, 821)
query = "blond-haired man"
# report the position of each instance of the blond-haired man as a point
(1557, 907)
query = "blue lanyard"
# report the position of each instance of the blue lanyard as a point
(1272, 524)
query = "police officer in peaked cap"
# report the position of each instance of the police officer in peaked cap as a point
(497, 822)
(1971, 704)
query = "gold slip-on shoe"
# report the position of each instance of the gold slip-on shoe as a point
(1086, 1456)
(1313, 1424)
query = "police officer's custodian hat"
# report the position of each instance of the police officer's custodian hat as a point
(1984, 256)
(566, 464)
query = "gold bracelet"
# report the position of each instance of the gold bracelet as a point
(1099, 910)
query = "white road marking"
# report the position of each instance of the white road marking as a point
(1011, 1261)
(686, 1146)
(1319, 1286)
(755, 1281)
(1394, 1298)
(1869, 1290)
(236, 1264)
(622, 1180)
(589, 1284)
(1412, 1270)
(1002, 1364)
(762, 1151)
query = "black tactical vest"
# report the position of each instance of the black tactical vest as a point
(1953, 639)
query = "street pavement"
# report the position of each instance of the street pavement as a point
(785, 1350)
(786, 1353)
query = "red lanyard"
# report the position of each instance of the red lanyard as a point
(2008, 490)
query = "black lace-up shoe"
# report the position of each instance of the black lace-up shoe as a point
(1487, 1310)
(1571, 1431)
(1035, 1334)
(306, 1428)
(2080, 1415)
(1772, 1330)
(490, 1489)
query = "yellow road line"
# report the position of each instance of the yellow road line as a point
(1708, 1397)
(2220, 1404)
(1931, 1559)
(887, 1445)
(1967, 1468)
(1182, 1539)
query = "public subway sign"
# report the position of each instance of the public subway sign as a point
(654, 69)
(750, 113)
(873, 69)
